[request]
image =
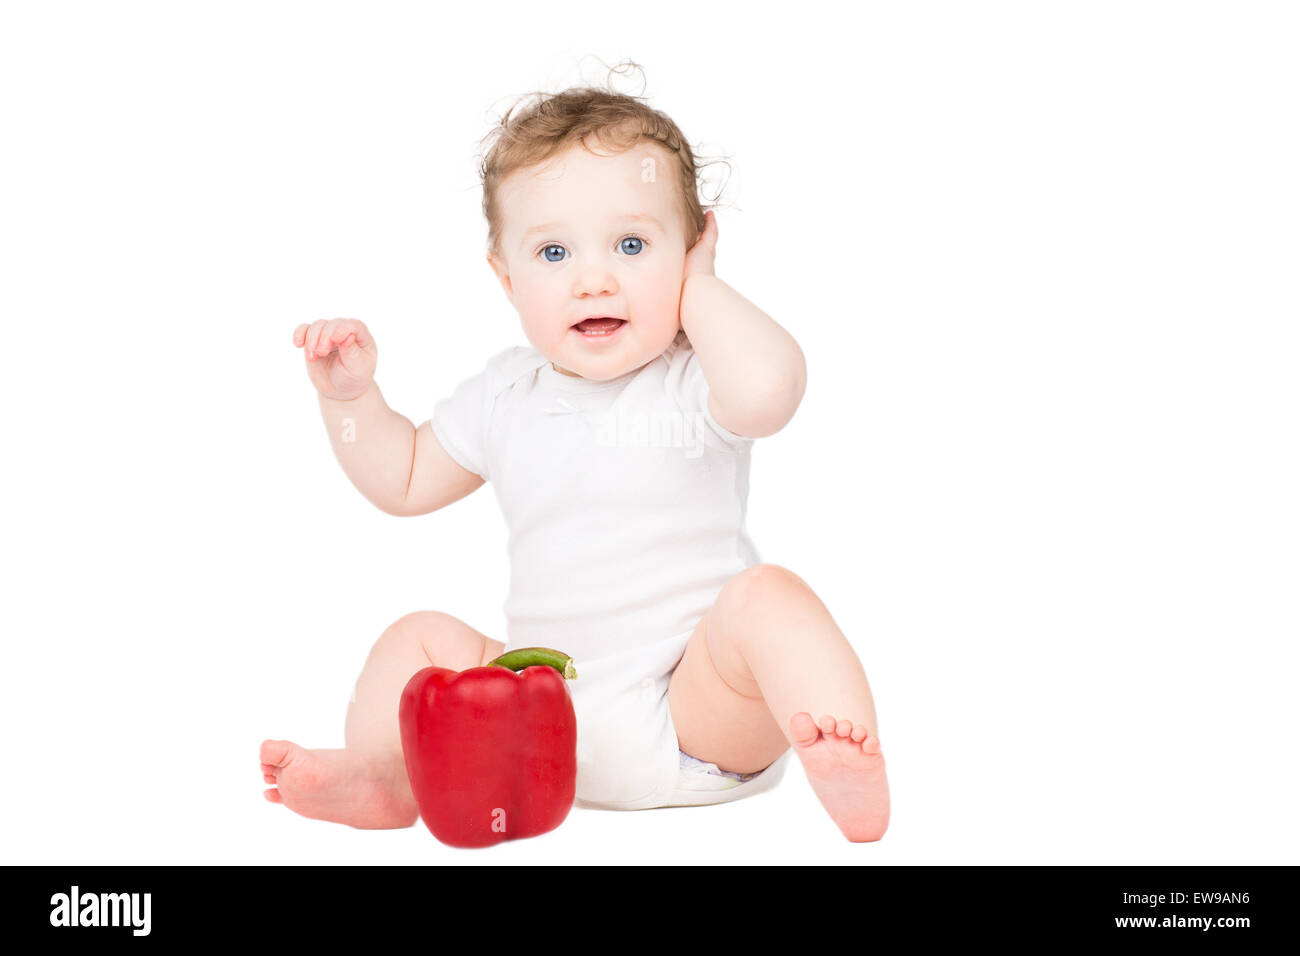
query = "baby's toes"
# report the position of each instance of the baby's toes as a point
(827, 724)
(273, 796)
(276, 754)
(859, 734)
(844, 728)
(871, 745)
(803, 732)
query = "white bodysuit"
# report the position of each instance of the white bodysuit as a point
(625, 506)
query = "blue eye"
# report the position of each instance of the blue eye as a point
(554, 252)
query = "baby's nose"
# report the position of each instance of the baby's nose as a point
(594, 280)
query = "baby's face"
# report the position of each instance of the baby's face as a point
(595, 235)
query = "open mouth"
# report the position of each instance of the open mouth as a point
(599, 327)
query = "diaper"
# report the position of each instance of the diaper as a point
(628, 758)
(700, 782)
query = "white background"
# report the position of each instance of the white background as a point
(1041, 258)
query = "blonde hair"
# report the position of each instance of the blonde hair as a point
(540, 125)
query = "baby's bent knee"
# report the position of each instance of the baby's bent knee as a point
(438, 638)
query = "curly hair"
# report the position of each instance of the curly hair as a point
(540, 125)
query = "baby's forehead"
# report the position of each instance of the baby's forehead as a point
(579, 183)
(643, 163)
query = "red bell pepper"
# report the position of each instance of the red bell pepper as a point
(492, 754)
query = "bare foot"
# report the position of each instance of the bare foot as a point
(338, 785)
(847, 772)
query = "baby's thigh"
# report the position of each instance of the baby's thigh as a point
(715, 721)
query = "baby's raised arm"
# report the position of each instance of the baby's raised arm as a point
(400, 469)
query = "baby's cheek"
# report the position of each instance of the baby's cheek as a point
(667, 285)
(538, 313)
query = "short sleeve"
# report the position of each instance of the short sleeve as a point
(460, 423)
(689, 389)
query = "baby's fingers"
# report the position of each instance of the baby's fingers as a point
(330, 336)
(320, 337)
(362, 334)
(348, 342)
(321, 347)
(313, 336)
(339, 330)
(335, 334)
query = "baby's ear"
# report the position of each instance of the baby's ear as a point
(502, 273)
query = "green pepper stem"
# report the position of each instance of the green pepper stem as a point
(522, 657)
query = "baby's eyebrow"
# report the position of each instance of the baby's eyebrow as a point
(635, 217)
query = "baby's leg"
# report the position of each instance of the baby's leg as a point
(767, 657)
(364, 785)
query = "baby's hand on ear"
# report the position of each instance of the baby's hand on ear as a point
(341, 356)
(699, 260)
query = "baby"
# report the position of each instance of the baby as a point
(618, 447)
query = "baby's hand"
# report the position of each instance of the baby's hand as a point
(341, 356)
(699, 260)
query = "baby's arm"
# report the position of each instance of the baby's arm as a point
(400, 469)
(755, 368)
